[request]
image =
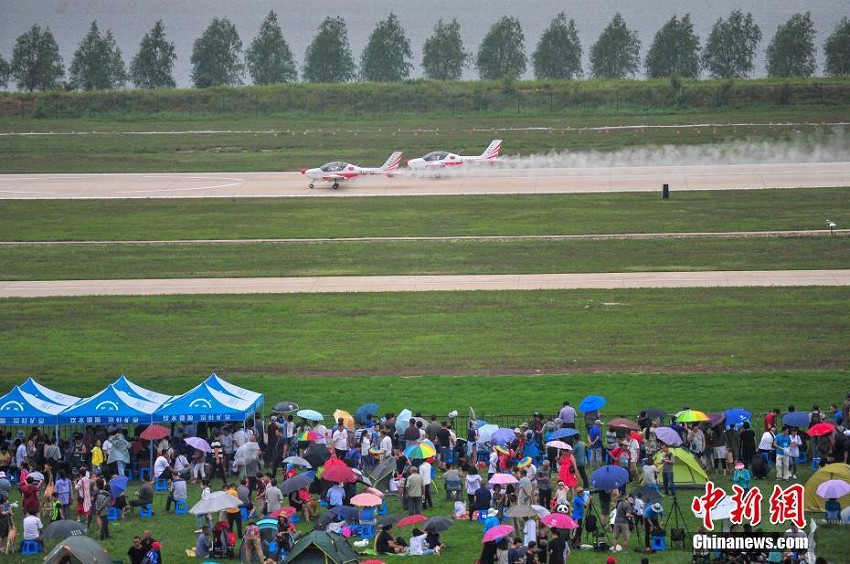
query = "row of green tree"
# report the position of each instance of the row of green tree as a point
(218, 59)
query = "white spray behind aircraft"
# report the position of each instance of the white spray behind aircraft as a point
(445, 159)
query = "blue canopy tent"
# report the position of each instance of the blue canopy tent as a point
(254, 398)
(110, 406)
(123, 384)
(204, 404)
(21, 408)
(43, 393)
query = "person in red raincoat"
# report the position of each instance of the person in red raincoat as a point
(29, 491)
(567, 469)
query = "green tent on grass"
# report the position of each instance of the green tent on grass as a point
(686, 470)
(320, 547)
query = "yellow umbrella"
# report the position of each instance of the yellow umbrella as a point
(346, 417)
(691, 416)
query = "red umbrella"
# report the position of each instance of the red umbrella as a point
(154, 433)
(411, 520)
(821, 429)
(339, 473)
(559, 521)
(623, 424)
(288, 510)
(372, 562)
(636, 436)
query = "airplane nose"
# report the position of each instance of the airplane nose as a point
(303, 171)
(407, 161)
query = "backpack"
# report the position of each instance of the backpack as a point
(590, 524)
(252, 531)
(815, 417)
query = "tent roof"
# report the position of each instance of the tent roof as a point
(686, 469)
(110, 406)
(834, 471)
(20, 408)
(255, 399)
(133, 390)
(203, 403)
(335, 548)
(34, 388)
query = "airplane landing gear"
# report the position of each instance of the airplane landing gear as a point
(336, 185)
(310, 186)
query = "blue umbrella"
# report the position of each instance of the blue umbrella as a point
(118, 485)
(364, 410)
(502, 437)
(609, 477)
(796, 419)
(736, 416)
(591, 403)
(562, 434)
(310, 414)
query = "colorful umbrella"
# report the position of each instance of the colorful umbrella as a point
(503, 479)
(502, 450)
(502, 437)
(564, 433)
(285, 407)
(339, 473)
(833, 489)
(420, 451)
(198, 443)
(366, 500)
(668, 436)
(154, 433)
(411, 520)
(821, 429)
(559, 521)
(623, 424)
(559, 444)
(310, 414)
(609, 477)
(591, 403)
(524, 463)
(309, 437)
(347, 419)
(375, 450)
(287, 510)
(796, 419)
(497, 532)
(691, 416)
(737, 416)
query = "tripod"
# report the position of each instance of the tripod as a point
(601, 529)
(679, 533)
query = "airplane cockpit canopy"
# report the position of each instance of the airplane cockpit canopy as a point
(335, 166)
(435, 156)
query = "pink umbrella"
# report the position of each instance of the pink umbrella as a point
(198, 443)
(366, 500)
(559, 521)
(288, 510)
(503, 479)
(375, 491)
(559, 444)
(497, 532)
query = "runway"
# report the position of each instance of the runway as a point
(337, 284)
(470, 182)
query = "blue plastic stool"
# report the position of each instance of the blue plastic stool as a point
(114, 514)
(815, 464)
(13, 476)
(296, 518)
(482, 515)
(146, 511)
(383, 509)
(128, 472)
(144, 472)
(180, 508)
(243, 512)
(803, 458)
(659, 543)
(161, 485)
(30, 547)
(366, 531)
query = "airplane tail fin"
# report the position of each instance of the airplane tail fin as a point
(492, 150)
(392, 163)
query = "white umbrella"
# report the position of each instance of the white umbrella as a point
(485, 432)
(246, 452)
(541, 511)
(297, 461)
(723, 509)
(215, 502)
(402, 420)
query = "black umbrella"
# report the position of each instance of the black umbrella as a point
(317, 454)
(384, 468)
(655, 413)
(438, 524)
(389, 520)
(64, 528)
(650, 494)
(296, 483)
(345, 511)
(324, 520)
(285, 407)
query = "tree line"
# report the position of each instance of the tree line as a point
(218, 58)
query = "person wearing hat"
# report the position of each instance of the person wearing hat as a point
(741, 476)
(152, 557)
(5, 487)
(652, 522)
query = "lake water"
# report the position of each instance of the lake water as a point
(185, 20)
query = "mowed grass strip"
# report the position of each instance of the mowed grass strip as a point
(505, 332)
(347, 258)
(549, 214)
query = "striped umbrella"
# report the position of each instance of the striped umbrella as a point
(421, 451)
(691, 416)
(308, 436)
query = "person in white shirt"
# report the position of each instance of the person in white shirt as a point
(529, 531)
(386, 446)
(365, 445)
(240, 437)
(340, 440)
(32, 527)
(181, 466)
(425, 472)
(159, 465)
(323, 431)
(417, 546)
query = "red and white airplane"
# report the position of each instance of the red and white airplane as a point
(338, 171)
(444, 159)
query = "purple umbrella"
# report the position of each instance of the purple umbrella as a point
(716, 418)
(198, 443)
(117, 486)
(833, 489)
(668, 436)
(502, 437)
